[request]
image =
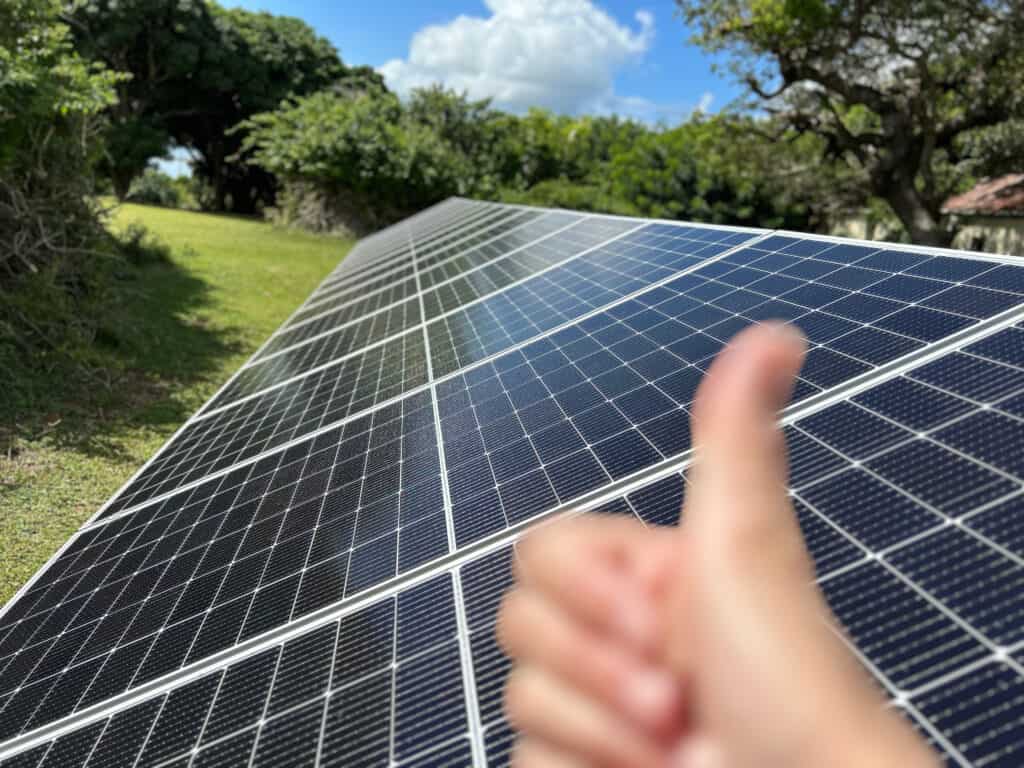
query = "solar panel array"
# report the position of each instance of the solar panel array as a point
(308, 572)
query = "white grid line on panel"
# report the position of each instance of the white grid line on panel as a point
(939, 738)
(375, 267)
(462, 231)
(462, 623)
(95, 516)
(197, 415)
(898, 698)
(471, 212)
(284, 382)
(171, 439)
(266, 706)
(453, 203)
(518, 345)
(454, 218)
(424, 328)
(330, 687)
(204, 414)
(323, 283)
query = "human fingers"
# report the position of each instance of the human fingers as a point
(535, 631)
(587, 566)
(543, 707)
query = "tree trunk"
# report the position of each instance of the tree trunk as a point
(924, 225)
(121, 179)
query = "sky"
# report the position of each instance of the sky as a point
(574, 56)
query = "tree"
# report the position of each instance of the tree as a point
(995, 150)
(166, 47)
(890, 85)
(719, 170)
(262, 59)
(197, 70)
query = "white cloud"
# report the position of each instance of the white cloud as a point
(559, 54)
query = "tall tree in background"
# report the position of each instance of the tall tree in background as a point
(891, 85)
(198, 70)
(261, 60)
(165, 46)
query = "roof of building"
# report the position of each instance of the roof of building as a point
(1002, 196)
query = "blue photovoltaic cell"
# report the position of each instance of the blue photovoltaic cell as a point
(381, 686)
(550, 388)
(608, 396)
(356, 302)
(341, 339)
(337, 308)
(367, 263)
(439, 266)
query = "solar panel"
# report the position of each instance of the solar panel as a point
(307, 573)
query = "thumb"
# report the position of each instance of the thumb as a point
(746, 617)
(737, 505)
(742, 550)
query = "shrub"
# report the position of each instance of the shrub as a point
(154, 187)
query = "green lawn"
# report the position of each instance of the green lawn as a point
(181, 328)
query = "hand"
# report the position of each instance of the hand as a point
(706, 646)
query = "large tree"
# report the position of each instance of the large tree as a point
(262, 59)
(165, 47)
(197, 70)
(891, 85)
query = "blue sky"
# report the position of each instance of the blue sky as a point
(570, 55)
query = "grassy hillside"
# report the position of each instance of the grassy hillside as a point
(185, 323)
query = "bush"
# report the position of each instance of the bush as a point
(369, 161)
(561, 193)
(55, 259)
(154, 187)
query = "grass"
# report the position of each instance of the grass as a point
(182, 326)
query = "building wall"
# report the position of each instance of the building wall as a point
(992, 234)
(989, 234)
(864, 227)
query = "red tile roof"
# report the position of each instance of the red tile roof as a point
(1003, 196)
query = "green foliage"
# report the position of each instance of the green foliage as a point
(55, 265)
(40, 75)
(996, 150)
(571, 195)
(163, 46)
(367, 153)
(368, 159)
(715, 170)
(155, 187)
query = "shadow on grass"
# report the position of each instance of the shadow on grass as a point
(150, 347)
